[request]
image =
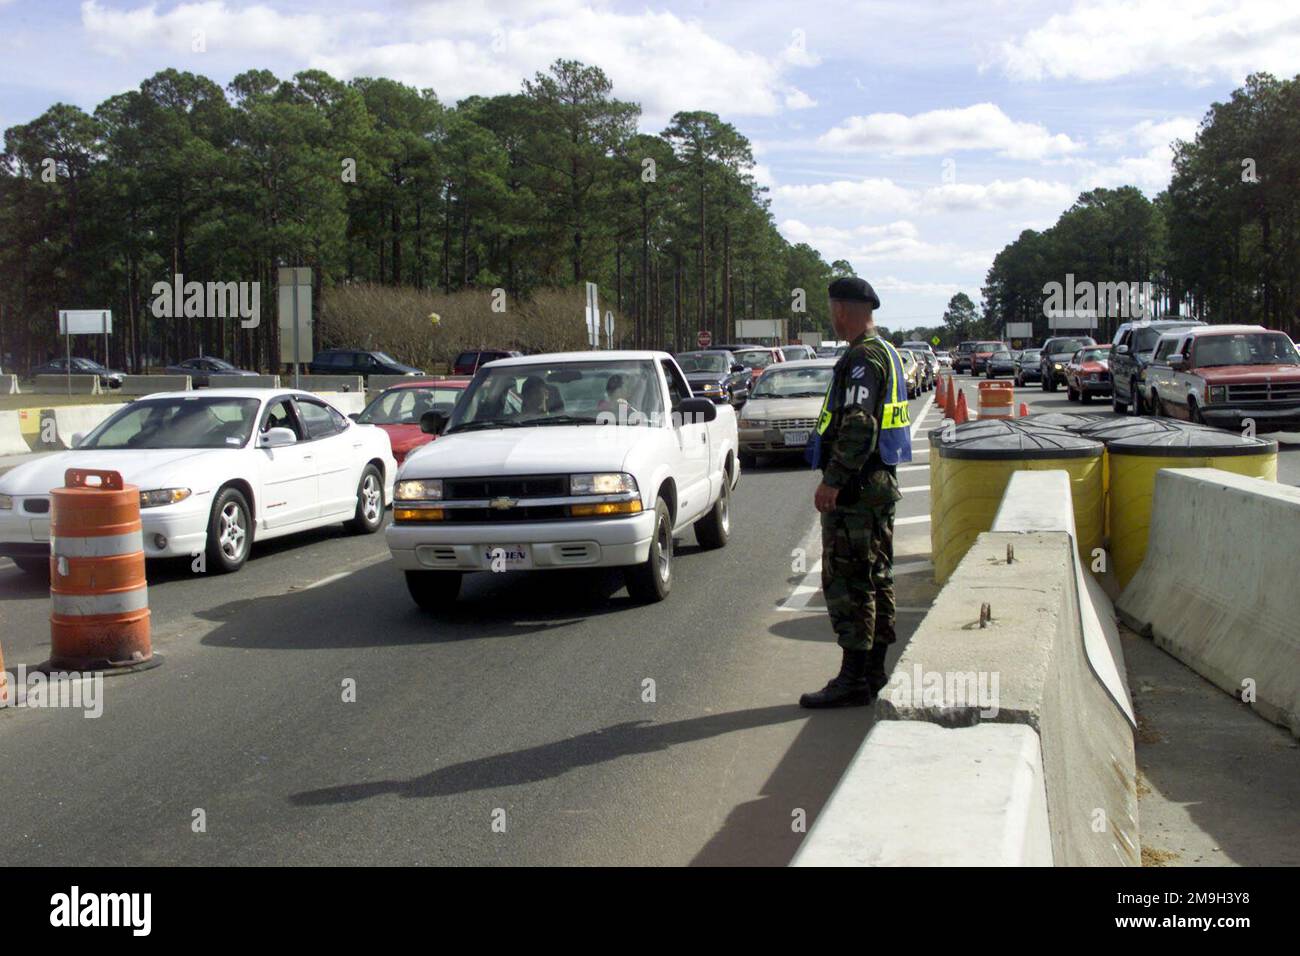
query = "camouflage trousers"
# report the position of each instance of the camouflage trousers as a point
(858, 574)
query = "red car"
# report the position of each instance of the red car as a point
(1088, 373)
(757, 359)
(398, 409)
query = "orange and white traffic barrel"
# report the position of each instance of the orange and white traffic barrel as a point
(99, 615)
(995, 399)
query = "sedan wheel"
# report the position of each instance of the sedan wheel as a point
(370, 503)
(229, 532)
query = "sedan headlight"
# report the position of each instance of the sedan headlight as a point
(163, 496)
(421, 489)
(603, 483)
(6, 503)
(1058, 366)
(1218, 393)
(752, 423)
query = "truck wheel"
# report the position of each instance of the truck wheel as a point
(1194, 415)
(1042, 383)
(370, 503)
(713, 530)
(433, 590)
(1157, 407)
(1136, 405)
(1116, 406)
(651, 580)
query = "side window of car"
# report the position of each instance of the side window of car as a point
(280, 414)
(317, 418)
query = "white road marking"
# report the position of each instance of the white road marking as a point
(330, 579)
(913, 468)
(914, 519)
(912, 489)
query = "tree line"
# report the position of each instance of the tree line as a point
(1220, 244)
(377, 183)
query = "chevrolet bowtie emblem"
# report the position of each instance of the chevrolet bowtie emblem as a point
(503, 504)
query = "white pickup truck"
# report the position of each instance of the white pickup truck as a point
(578, 459)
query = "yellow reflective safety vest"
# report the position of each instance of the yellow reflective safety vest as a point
(894, 442)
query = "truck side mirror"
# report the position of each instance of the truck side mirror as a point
(695, 410)
(433, 422)
(1121, 350)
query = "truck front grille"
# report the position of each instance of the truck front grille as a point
(524, 486)
(1265, 392)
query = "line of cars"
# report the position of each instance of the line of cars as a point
(587, 459)
(1222, 375)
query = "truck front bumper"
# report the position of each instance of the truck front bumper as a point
(599, 543)
(1283, 418)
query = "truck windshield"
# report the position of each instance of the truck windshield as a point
(1246, 348)
(560, 393)
(702, 362)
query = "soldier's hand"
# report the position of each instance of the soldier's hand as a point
(824, 499)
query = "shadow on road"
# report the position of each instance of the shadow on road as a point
(371, 608)
(544, 762)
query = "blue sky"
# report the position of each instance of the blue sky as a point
(914, 139)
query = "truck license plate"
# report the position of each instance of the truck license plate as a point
(795, 438)
(506, 557)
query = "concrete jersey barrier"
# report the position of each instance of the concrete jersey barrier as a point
(151, 384)
(1224, 604)
(58, 425)
(243, 381)
(377, 383)
(58, 384)
(1040, 501)
(12, 441)
(349, 403)
(9, 385)
(330, 383)
(918, 794)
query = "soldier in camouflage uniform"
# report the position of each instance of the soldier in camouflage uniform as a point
(856, 499)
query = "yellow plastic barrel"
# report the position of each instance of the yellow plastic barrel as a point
(976, 466)
(1133, 461)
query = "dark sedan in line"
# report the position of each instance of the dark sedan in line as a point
(716, 375)
(1001, 362)
(1028, 367)
(201, 369)
(108, 378)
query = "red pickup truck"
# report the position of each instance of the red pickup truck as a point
(1225, 375)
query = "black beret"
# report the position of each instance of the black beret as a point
(853, 289)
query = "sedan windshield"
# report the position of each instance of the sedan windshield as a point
(560, 393)
(794, 383)
(177, 423)
(702, 362)
(405, 406)
(1245, 348)
(1094, 355)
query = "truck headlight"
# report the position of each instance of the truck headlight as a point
(6, 503)
(1218, 393)
(603, 483)
(421, 489)
(163, 496)
(1057, 366)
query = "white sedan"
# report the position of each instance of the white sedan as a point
(215, 470)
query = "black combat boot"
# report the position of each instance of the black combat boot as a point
(877, 676)
(848, 688)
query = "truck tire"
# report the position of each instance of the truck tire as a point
(713, 530)
(650, 581)
(433, 590)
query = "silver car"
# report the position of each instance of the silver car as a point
(783, 408)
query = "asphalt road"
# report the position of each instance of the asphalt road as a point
(519, 728)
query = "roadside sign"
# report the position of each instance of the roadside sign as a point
(294, 304)
(935, 341)
(593, 316)
(609, 330)
(83, 322)
(1020, 330)
(704, 339)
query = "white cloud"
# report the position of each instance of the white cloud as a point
(1199, 39)
(895, 242)
(980, 127)
(222, 29)
(1152, 169)
(884, 196)
(462, 47)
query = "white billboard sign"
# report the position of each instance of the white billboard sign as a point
(85, 321)
(1020, 330)
(1071, 320)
